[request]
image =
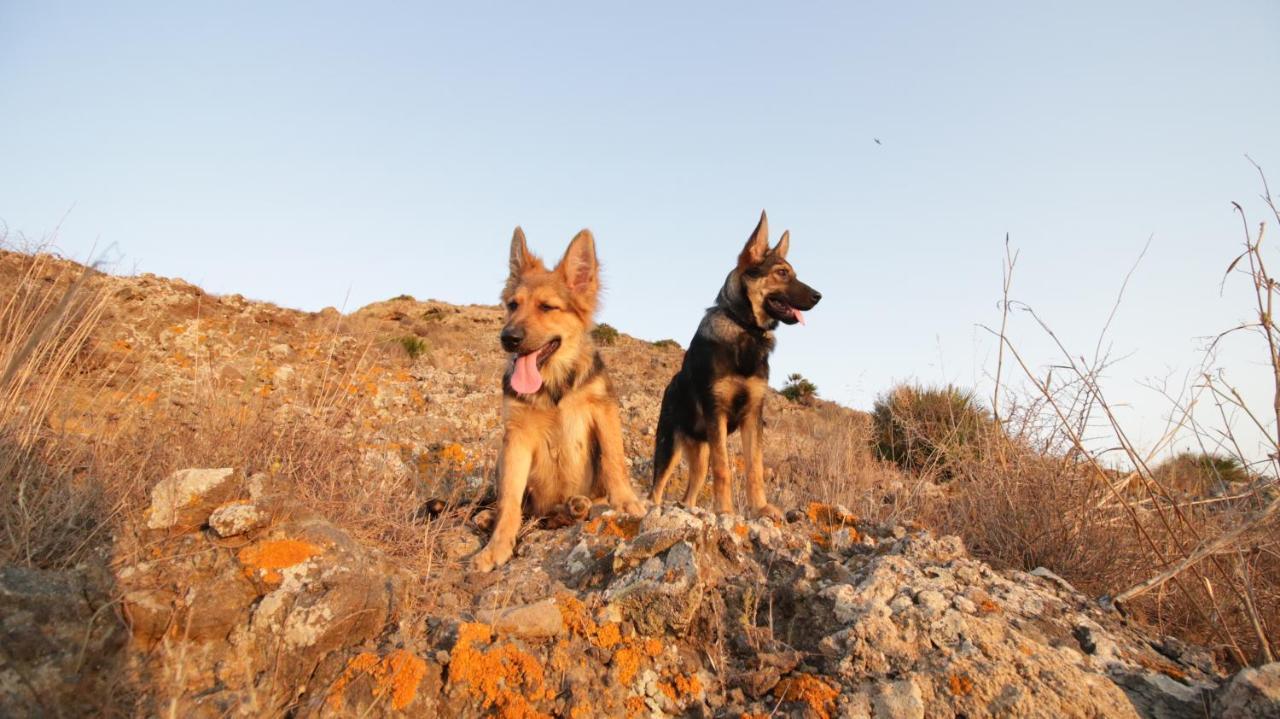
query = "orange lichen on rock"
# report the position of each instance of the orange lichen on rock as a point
(397, 675)
(633, 653)
(682, 688)
(741, 530)
(627, 662)
(405, 672)
(275, 554)
(959, 684)
(809, 689)
(501, 677)
(613, 525)
(635, 706)
(579, 622)
(829, 515)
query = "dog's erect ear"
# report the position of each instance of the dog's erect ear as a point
(754, 251)
(784, 244)
(521, 258)
(579, 267)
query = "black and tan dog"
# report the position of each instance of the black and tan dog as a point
(562, 440)
(721, 385)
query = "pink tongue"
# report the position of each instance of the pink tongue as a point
(526, 379)
(798, 315)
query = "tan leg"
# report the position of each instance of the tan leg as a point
(517, 457)
(721, 472)
(660, 486)
(696, 452)
(613, 465)
(753, 458)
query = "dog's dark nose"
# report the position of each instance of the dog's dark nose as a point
(816, 296)
(512, 337)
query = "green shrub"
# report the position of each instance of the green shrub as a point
(799, 389)
(1199, 473)
(666, 344)
(605, 334)
(931, 428)
(413, 346)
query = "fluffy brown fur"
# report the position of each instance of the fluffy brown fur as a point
(562, 443)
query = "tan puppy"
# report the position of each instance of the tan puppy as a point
(562, 434)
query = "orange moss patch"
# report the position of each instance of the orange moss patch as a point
(608, 636)
(741, 530)
(633, 654)
(579, 622)
(809, 689)
(829, 516)
(398, 675)
(959, 684)
(986, 606)
(501, 677)
(635, 706)
(613, 525)
(273, 555)
(682, 688)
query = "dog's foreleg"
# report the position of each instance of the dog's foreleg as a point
(753, 458)
(517, 458)
(613, 463)
(695, 453)
(721, 473)
(666, 456)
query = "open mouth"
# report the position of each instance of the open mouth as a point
(547, 350)
(525, 377)
(781, 310)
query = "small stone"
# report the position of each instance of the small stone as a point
(185, 498)
(539, 620)
(931, 602)
(232, 520)
(1251, 694)
(898, 700)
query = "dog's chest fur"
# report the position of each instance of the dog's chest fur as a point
(563, 445)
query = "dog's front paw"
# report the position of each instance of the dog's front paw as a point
(769, 511)
(489, 558)
(632, 505)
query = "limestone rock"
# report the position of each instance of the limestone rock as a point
(1251, 694)
(185, 498)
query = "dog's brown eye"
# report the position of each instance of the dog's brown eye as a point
(512, 305)
(547, 308)
(781, 273)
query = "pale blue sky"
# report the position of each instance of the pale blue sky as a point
(295, 151)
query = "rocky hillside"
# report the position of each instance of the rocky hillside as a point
(243, 602)
(301, 579)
